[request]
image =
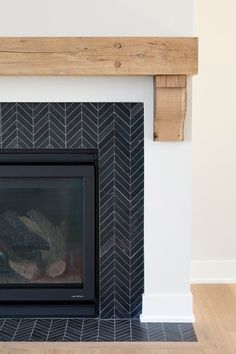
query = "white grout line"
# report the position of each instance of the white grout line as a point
(82, 328)
(35, 322)
(3, 324)
(131, 335)
(181, 332)
(49, 329)
(98, 329)
(16, 330)
(164, 332)
(66, 326)
(147, 332)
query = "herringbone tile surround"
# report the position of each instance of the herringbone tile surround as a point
(116, 130)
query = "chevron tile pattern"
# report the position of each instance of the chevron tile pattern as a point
(22, 333)
(156, 332)
(116, 130)
(93, 330)
(106, 330)
(187, 332)
(172, 331)
(40, 329)
(56, 330)
(139, 331)
(73, 330)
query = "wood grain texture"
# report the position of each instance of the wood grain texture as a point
(214, 309)
(168, 59)
(170, 104)
(98, 56)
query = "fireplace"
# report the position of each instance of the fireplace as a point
(108, 137)
(48, 232)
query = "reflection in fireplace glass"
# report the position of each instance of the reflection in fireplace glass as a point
(41, 230)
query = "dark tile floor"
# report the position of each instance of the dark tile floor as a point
(93, 330)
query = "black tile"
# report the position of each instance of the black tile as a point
(136, 306)
(57, 330)
(116, 130)
(24, 330)
(139, 331)
(93, 330)
(106, 331)
(90, 330)
(187, 332)
(122, 331)
(73, 330)
(172, 332)
(8, 329)
(41, 329)
(2, 321)
(156, 332)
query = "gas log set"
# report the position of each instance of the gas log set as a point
(32, 246)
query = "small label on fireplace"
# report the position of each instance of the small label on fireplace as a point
(77, 296)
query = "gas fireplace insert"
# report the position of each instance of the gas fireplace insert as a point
(48, 233)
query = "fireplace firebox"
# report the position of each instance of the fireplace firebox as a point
(48, 233)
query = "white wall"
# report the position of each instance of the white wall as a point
(214, 143)
(167, 165)
(95, 18)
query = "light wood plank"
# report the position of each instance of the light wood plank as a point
(170, 107)
(98, 56)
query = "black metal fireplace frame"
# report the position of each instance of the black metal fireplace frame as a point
(55, 299)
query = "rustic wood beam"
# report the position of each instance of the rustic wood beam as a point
(168, 59)
(98, 56)
(170, 107)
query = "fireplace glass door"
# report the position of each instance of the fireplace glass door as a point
(47, 228)
(41, 230)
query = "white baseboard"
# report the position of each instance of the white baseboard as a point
(167, 308)
(213, 272)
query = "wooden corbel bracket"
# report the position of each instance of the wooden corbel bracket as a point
(168, 60)
(170, 102)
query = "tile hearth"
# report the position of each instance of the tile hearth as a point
(93, 330)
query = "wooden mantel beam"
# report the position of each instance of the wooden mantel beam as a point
(98, 56)
(169, 60)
